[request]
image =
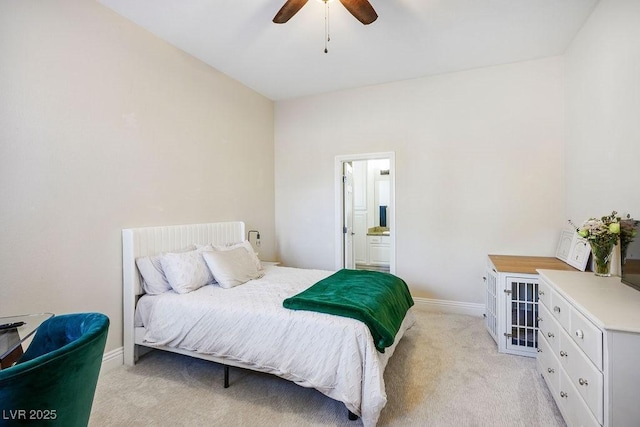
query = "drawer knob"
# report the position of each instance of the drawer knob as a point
(582, 381)
(580, 334)
(540, 292)
(563, 394)
(551, 371)
(550, 335)
(556, 309)
(563, 353)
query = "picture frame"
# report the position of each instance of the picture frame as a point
(564, 245)
(573, 249)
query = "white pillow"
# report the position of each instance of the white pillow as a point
(154, 281)
(206, 247)
(185, 271)
(247, 246)
(231, 267)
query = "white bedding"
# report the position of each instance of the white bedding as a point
(248, 324)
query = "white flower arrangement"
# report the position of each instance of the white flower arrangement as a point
(602, 234)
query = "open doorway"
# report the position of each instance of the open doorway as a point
(365, 211)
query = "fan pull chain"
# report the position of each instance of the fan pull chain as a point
(326, 25)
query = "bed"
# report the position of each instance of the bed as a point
(332, 354)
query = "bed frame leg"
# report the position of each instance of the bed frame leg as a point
(352, 416)
(226, 376)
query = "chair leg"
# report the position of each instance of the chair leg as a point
(226, 376)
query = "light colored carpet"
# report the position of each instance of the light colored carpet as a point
(445, 372)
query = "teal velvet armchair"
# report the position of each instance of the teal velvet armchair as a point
(54, 382)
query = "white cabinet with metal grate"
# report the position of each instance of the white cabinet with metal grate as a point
(512, 301)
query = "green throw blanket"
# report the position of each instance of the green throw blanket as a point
(380, 300)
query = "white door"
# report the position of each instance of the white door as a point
(349, 248)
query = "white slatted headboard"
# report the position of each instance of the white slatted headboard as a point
(138, 242)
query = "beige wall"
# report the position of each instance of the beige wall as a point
(603, 113)
(479, 169)
(102, 127)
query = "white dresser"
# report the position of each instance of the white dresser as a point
(589, 347)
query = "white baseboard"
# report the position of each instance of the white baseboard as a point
(112, 360)
(455, 307)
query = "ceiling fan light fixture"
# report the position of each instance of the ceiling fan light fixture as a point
(360, 9)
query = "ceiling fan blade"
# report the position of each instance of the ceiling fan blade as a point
(290, 8)
(361, 9)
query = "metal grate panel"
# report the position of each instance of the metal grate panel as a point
(524, 314)
(491, 305)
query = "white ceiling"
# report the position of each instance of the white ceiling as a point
(411, 38)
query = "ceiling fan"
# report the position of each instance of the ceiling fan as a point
(360, 9)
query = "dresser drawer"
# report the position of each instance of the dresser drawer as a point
(583, 374)
(548, 327)
(548, 366)
(544, 293)
(561, 310)
(574, 409)
(587, 336)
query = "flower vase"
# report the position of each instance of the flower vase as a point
(602, 259)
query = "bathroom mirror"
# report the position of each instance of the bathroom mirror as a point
(381, 200)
